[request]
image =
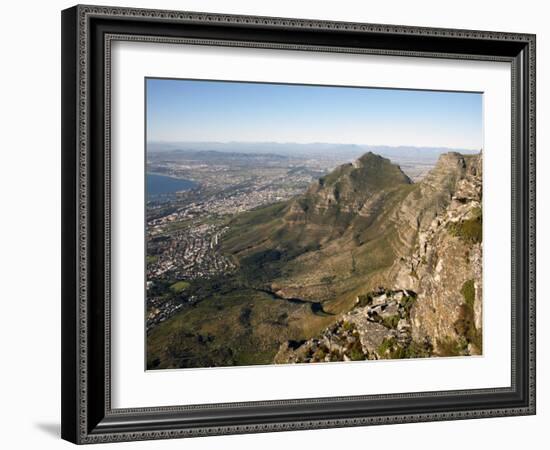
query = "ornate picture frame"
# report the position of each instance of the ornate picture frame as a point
(87, 35)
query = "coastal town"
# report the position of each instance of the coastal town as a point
(184, 228)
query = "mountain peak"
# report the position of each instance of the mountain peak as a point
(370, 157)
(370, 172)
(367, 159)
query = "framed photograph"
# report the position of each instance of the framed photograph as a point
(277, 224)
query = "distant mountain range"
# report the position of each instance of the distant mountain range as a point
(346, 151)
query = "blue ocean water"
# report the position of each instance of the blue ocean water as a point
(162, 184)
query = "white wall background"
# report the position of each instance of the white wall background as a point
(30, 222)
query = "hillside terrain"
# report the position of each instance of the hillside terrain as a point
(365, 264)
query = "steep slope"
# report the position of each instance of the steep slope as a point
(324, 242)
(445, 268)
(437, 269)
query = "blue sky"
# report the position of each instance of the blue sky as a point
(192, 110)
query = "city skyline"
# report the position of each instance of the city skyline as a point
(221, 111)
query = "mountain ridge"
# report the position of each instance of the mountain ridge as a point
(353, 238)
(430, 303)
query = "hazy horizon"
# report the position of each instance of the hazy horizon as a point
(289, 149)
(192, 142)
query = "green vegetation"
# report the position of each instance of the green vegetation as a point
(244, 316)
(469, 293)
(465, 324)
(469, 230)
(261, 266)
(465, 327)
(391, 349)
(160, 288)
(320, 353)
(231, 325)
(451, 347)
(356, 351)
(407, 303)
(364, 300)
(391, 321)
(151, 259)
(260, 215)
(178, 225)
(348, 326)
(418, 350)
(179, 286)
(386, 347)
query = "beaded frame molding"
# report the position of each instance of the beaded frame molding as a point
(87, 35)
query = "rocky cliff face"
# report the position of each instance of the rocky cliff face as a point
(445, 265)
(428, 300)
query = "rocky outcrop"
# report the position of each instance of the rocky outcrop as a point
(378, 327)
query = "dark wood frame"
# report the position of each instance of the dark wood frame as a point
(87, 32)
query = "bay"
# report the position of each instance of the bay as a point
(163, 184)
